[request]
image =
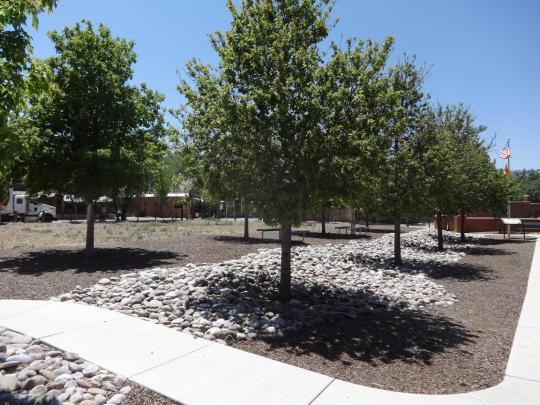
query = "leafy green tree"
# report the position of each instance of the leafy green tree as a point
(165, 178)
(460, 177)
(162, 187)
(17, 78)
(355, 87)
(137, 162)
(90, 118)
(262, 104)
(399, 181)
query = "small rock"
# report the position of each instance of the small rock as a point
(90, 370)
(48, 374)
(34, 382)
(100, 399)
(25, 374)
(70, 356)
(38, 390)
(119, 380)
(63, 378)
(21, 358)
(76, 397)
(8, 382)
(96, 391)
(117, 399)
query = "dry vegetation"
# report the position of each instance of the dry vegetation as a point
(65, 234)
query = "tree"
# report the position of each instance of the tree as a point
(460, 177)
(399, 180)
(355, 91)
(17, 78)
(164, 180)
(262, 104)
(90, 117)
(136, 165)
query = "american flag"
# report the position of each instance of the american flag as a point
(505, 153)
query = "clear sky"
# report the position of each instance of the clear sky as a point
(483, 53)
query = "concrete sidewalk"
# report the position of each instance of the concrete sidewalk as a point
(196, 371)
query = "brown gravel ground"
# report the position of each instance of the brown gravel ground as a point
(452, 349)
(444, 350)
(142, 396)
(48, 268)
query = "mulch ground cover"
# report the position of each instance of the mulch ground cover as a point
(452, 349)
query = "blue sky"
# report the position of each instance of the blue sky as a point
(483, 53)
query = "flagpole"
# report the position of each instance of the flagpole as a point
(509, 205)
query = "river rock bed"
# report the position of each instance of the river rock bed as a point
(237, 299)
(31, 372)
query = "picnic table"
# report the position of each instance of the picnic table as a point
(347, 228)
(361, 229)
(300, 232)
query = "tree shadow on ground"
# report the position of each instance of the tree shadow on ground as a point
(9, 398)
(371, 333)
(104, 259)
(255, 241)
(460, 272)
(385, 336)
(381, 334)
(336, 236)
(340, 324)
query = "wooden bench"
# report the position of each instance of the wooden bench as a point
(529, 225)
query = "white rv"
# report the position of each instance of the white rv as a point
(17, 206)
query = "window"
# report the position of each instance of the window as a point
(19, 201)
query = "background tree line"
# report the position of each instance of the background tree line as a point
(528, 183)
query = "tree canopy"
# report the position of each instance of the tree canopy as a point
(95, 133)
(19, 78)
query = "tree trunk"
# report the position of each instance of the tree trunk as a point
(440, 246)
(90, 217)
(246, 225)
(397, 240)
(462, 224)
(323, 222)
(123, 216)
(353, 222)
(285, 279)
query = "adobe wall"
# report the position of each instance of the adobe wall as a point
(484, 222)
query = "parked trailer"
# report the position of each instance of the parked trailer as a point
(18, 206)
